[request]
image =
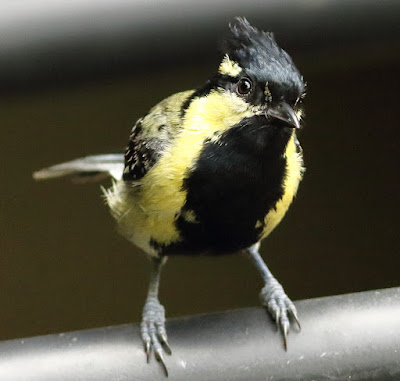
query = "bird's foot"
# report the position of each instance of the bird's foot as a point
(274, 298)
(154, 334)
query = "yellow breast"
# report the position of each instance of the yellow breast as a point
(294, 172)
(149, 212)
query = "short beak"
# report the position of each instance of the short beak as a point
(285, 113)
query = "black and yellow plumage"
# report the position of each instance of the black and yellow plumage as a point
(212, 170)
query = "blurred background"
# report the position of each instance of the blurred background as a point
(75, 76)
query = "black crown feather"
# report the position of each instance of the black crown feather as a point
(258, 52)
(243, 35)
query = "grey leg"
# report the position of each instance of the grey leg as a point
(273, 296)
(152, 328)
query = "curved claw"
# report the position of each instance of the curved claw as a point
(296, 318)
(160, 359)
(147, 349)
(284, 328)
(164, 341)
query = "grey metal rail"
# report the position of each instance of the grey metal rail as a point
(345, 337)
(66, 41)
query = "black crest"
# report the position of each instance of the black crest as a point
(258, 53)
(243, 36)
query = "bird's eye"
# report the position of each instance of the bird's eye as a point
(244, 86)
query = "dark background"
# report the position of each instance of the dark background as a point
(77, 88)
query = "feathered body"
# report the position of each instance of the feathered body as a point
(205, 170)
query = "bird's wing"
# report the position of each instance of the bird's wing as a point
(147, 141)
(152, 133)
(89, 168)
(142, 152)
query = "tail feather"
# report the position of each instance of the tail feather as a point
(89, 168)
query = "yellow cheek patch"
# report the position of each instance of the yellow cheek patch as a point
(228, 67)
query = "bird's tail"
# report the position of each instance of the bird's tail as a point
(86, 169)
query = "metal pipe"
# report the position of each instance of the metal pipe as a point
(345, 337)
(66, 41)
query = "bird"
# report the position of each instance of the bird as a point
(210, 171)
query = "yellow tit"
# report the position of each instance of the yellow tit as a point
(210, 171)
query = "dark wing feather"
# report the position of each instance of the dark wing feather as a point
(141, 154)
(152, 133)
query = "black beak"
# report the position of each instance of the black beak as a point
(285, 113)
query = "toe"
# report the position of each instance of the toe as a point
(161, 337)
(274, 309)
(146, 339)
(153, 331)
(280, 307)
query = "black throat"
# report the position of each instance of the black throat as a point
(237, 180)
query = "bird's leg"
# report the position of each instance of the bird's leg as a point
(273, 296)
(152, 328)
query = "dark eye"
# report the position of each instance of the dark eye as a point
(243, 86)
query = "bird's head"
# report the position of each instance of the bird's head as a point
(260, 76)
